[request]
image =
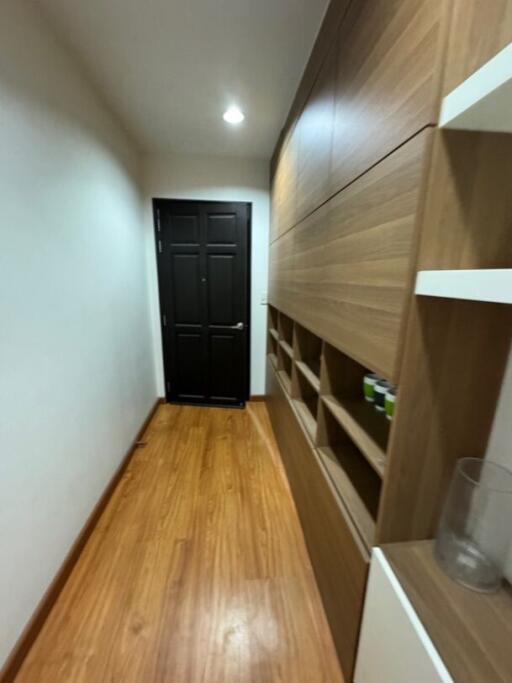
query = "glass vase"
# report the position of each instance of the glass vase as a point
(474, 533)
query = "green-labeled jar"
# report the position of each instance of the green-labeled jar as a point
(369, 382)
(389, 403)
(381, 389)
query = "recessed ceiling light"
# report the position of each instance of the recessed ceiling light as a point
(233, 115)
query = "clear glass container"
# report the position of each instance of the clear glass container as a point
(474, 533)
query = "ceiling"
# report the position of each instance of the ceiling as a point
(169, 68)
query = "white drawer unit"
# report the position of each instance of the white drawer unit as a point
(394, 646)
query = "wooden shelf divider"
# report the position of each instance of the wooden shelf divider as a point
(308, 420)
(350, 497)
(274, 333)
(493, 285)
(368, 429)
(308, 373)
(286, 347)
(483, 101)
(357, 482)
(285, 379)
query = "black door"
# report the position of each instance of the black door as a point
(203, 270)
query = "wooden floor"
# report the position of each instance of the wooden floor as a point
(197, 571)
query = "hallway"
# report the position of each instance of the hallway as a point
(197, 571)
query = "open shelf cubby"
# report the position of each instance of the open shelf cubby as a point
(308, 350)
(284, 368)
(342, 396)
(273, 322)
(305, 400)
(357, 484)
(285, 328)
(272, 346)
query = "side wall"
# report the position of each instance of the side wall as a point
(220, 179)
(76, 357)
(499, 449)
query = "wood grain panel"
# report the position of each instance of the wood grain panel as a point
(281, 267)
(388, 81)
(454, 350)
(344, 271)
(197, 570)
(326, 36)
(468, 212)
(338, 556)
(315, 128)
(480, 31)
(455, 356)
(284, 188)
(471, 631)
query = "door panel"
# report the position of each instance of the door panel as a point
(203, 270)
(186, 301)
(221, 292)
(184, 230)
(221, 229)
(223, 371)
(189, 377)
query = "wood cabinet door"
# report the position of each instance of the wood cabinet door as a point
(284, 187)
(345, 270)
(388, 80)
(315, 130)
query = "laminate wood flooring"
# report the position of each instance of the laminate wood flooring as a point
(197, 571)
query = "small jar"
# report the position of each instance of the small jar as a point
(369, 382)
(389, 403)
(381, 389)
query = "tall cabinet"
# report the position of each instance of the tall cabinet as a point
(366, 192)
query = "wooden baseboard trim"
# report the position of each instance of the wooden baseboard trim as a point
(35, 624)
(258, 397)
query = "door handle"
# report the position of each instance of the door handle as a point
(238, 326)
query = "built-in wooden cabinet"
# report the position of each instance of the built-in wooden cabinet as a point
(366, 192)
(334, 447)
(338, 555)
(345, 271)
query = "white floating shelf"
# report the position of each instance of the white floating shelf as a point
(493, 285)
(484, 100)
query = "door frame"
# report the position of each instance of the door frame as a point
(156, 224)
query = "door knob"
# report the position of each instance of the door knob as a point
(238, 326)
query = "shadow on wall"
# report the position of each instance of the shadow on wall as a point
(35, 75)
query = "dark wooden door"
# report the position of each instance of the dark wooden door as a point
(203, 270)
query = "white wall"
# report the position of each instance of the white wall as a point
(500, 442)
(221, 179)
(76, 364)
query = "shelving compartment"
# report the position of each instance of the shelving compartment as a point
(357, 484)
(272, 335)
(272, 346)
(286, 334)
(342, 396)
(308, 350)
(305, 399)
(273, 319)
(284, 368)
